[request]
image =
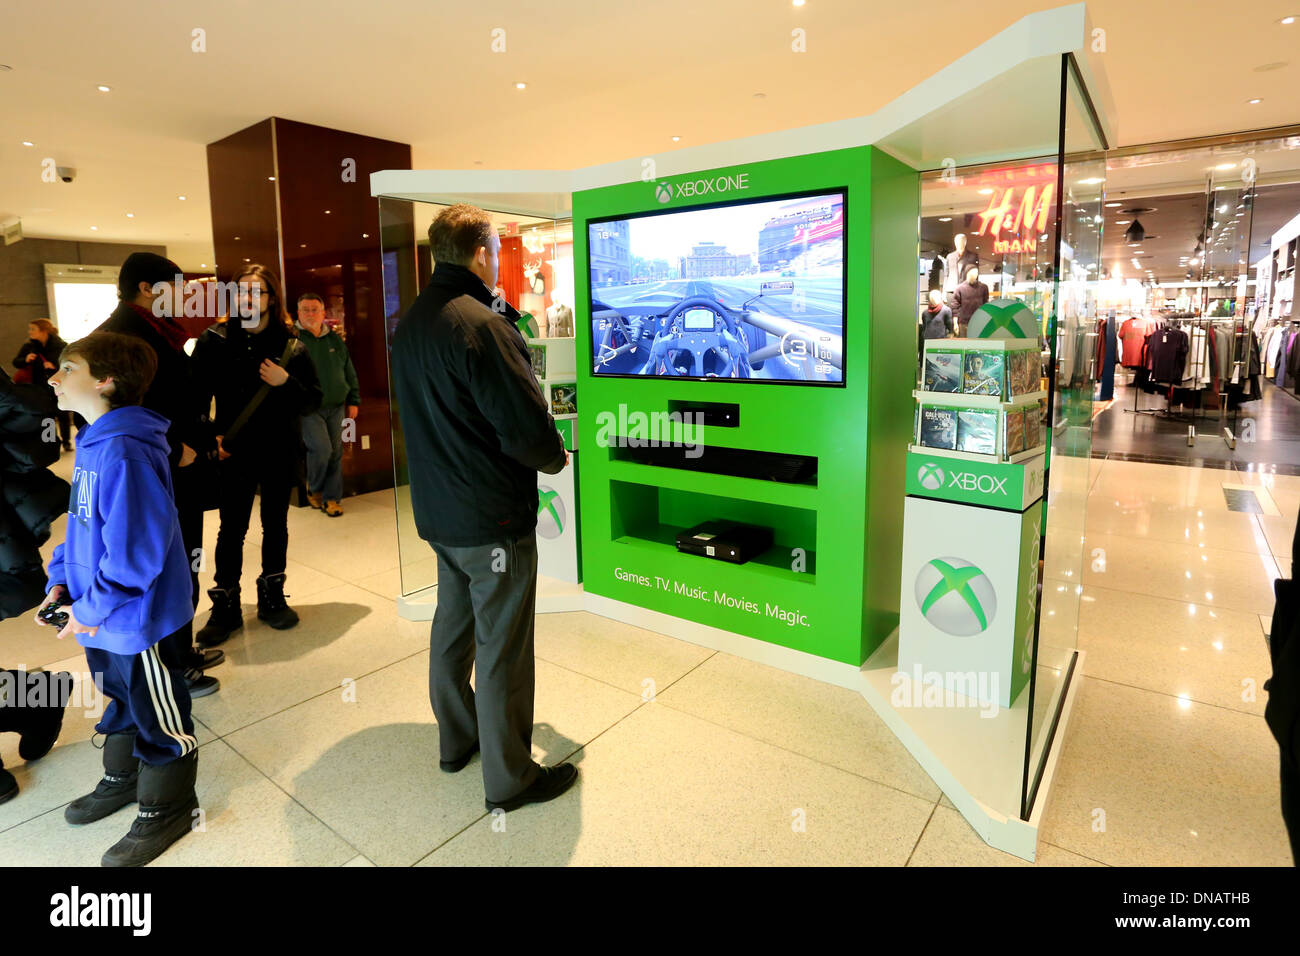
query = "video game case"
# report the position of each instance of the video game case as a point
(538, 355)
(1022, 373)
(982, 373)
(1014, 433)
(1033, 426)
(938, 427)
(564, 399)
(977, 431)
(942, 372)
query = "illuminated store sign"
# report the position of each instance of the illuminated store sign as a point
(1023, 228)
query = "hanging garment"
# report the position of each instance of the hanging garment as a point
(1133, 334)
(1168, 348)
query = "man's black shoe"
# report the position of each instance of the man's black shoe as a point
(550, 783)
(201, 659)
(200, 684)
(456, 766)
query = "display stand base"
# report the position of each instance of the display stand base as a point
(952, 745)
(966, 753)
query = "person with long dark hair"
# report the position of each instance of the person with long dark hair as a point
(263, 380)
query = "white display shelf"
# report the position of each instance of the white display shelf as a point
(981, 345)
(1016, 459)
(976, 401)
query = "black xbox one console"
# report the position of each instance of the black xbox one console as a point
(725, 541)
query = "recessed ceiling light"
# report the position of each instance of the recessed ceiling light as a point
(303, 246)
(1255, 102)
(270, 179)
(236, 238)
(1122, 222)
(1112, 205)
(94, 229)
(181, 198)
(1287, 21)
(677, 139)
(945, 218)
(130, 215)
(1092, 181)
(327, 212)
(797, 3)
(28, 142)
(365, 235)
(104, 89)
(521, 86)
(986, 192)
(203, 265)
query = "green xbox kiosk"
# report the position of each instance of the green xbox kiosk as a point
(808, 440)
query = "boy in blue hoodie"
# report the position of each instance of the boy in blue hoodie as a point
(122, 579)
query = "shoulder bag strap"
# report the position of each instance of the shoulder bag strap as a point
(238, 424)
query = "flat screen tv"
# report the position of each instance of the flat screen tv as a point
(745, 291)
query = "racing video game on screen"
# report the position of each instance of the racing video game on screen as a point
(750, 290)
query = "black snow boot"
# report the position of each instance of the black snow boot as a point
(271, 606)
(8, 785)
(167, 812)
(225, 619)
(40, 718)
(116, 789)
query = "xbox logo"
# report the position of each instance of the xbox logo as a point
(955, 596)
(931, 476)
(664, 192)
(1003, 319)
(550, 512)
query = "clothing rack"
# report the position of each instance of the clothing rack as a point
(1196, 374)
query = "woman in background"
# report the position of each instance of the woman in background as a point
(36, 360)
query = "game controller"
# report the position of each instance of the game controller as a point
(51, 614)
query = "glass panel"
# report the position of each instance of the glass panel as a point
(999, 218)
(1073, 338)
(535, 275)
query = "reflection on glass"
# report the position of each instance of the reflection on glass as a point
(535, 275)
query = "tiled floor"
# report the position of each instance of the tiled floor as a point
(320, 748)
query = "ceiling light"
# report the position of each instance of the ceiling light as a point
(797, 3)
(521, 86)
(94, 229)
(1112, 205)
(181, 198)
(677, 139)
(1255, 102)
(1226, 166)
(203, 265)
(104, 89)
(1092, 181)
(270, 179)
(1096, 219)
(1287, 21)
(130, 215)
(366, 235)
(28, 142)
(327, 212)
(945, 218)
(986, 192)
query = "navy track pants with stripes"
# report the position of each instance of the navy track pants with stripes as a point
(148, 696)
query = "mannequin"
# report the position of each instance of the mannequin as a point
(958, 263)
(936, 321)
(968, 297)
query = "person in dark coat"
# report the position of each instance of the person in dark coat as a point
(31, 500)
(38, 357)
(233, 360)
(968, 297)
(150, 291)
(477, 431)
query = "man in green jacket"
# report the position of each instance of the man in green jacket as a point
(322, 430)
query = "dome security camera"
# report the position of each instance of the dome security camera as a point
(67, 173)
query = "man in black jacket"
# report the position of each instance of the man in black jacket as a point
(477, 432)
(150, 288)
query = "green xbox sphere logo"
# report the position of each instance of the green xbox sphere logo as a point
(664, 192)
(931, 476)
(955, 596)
(550, 512)
(1003, 319)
